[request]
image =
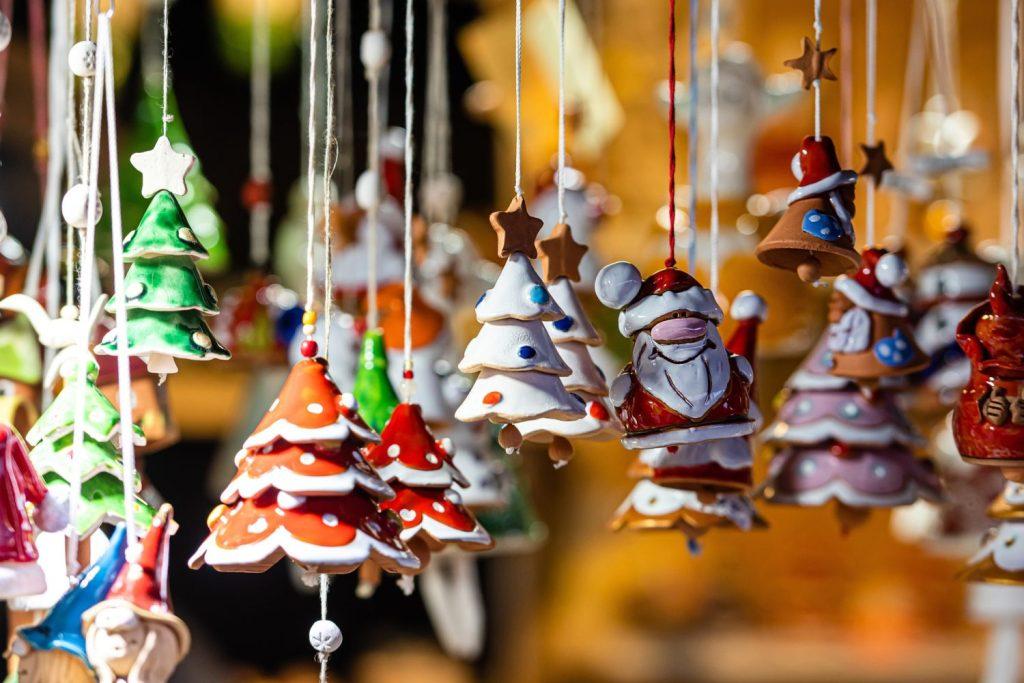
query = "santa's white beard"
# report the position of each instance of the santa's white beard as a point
(685, 378)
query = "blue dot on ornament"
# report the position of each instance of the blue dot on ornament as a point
(564, 324)
(894, 351)
(527, 351)
(539, 294)
(821, 225)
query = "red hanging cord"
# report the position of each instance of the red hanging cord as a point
(671, 260)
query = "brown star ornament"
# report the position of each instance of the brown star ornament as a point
(560, 255)
(875, 162)
(813, 63)
(516, 229)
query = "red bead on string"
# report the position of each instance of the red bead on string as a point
(308, 348)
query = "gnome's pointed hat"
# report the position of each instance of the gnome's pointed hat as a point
(749, 311)
(62, 627)
(141, 584)
(817, 168)
(409, 453)
(872, 286)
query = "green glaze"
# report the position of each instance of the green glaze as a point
(167, 283)
(102, 421)
(20, 359)
(372, 389)
(94, 458)
(163, 231)
(171, 333)
(199, 202)
(102, 502)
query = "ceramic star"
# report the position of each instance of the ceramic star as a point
(516, 229)
(813, 63)
(162, 168)
(560, 254)
(875, 162)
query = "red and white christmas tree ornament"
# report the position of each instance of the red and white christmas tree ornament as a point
(683, 385)
(303, 490)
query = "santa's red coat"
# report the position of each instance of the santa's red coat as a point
(641, 412)
(19, 485)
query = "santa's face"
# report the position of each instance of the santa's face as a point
(682, 361)
(117, 637)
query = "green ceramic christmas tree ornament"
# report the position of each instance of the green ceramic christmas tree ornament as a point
(372, 388)
(163, 231)
(166, 283)
(102, 502)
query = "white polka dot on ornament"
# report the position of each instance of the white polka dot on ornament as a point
(307, 459)
(394, 450)
(315, 408)
(74, 207)
(82, 59)
(329, 520)
(325, 636)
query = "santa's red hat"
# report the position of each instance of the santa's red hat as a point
(871, 287)
(643, 301)
(817, 168)
(142, 582)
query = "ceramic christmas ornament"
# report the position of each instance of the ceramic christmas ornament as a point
(303, 491)
(683, 385)
(988, 420)
(953, 280)
(870, 337)
(520, 369)
(150, 408)
(55, 648)
(651, 507)
(251, 319)
(715, 465)
(1001, 557)
(372, 388)
(21, 487)
(98, 465)
(166, 296)
(815, 236)
(133, 635)
(560, 258)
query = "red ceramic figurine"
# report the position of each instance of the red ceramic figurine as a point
(988, 421)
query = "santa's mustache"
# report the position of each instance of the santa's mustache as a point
(656, 352)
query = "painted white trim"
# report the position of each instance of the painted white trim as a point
(445, 475)
(289, 481)
(443, 533)
(292, 433)
(839, 490)
(685, 435)
(638, 315)
(826, 184)
(833, 428)
(856, 293)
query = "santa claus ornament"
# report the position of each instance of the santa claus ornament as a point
(133, 635)
(573, 334)
(683, 385)
(869, 334)
(20, 488)
(520, 369)
(988, 420)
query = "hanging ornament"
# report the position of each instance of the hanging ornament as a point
(988, 421)
(98, 465)
(55, 648)
(870, 336)
(20, 574)
(832, 442)
(560, 258)
(166, 296)
(683, 385)
(1001, 557)
(150, 408)
(133, 634)
(815, 237)
(303, 490)
(372, 388)
(952, 281)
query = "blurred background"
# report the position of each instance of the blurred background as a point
(799, 602)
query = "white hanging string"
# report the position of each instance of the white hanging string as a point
(87, 97)
(562, 217)
(85, 305)
(436, 136)
(124, 380)
(713, 147)
(407, 374)
(330, 148)
(871, 87)
(343, 96)
(913, 76)
(692, 133)
(325, 585)
(259, 136)
(373, 124)
(165, 118)
(310, 161)
(519, 103)
(817, 81)
(1015, 141)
